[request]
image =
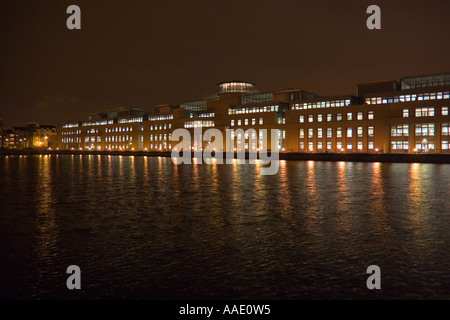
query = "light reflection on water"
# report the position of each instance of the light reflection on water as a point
(142, 227)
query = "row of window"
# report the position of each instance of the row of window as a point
(139, 119)
(246, 122)
(162, 137)
(409, 97)
(425, 112)
(349, 116)
(339, 132)
(118, 129)
(404, 145)
(161, 126)
(339, 146)
(199, 124)
(321, 104)
(426, 129)
(162, 117)
(253, 110)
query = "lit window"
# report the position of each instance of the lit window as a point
(319, 133)
(370, 131)
(302, 133)
(426, 129)
(310, 133)
(425, 112)
(360, 132)
(339, 145)
(260, 120)
(329, 117)
(253, 121)
(349, 146)
(349, 116)
(302, 145)
(232, 123)
(360, 145)
(311, 118)
(319, 145)
(360, 115)
(445, 111)
(405, 113)
(246, 122)
(239, 122)
(301, 119)
(349, 132)
(370, 115)
(445, 145)
(339, 132)
(319, 118)
(329, 145)
(445, 129)
(329, 132)
(371, 145)
(311, 146)
(339, 117)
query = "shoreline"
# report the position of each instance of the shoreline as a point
(294, 156)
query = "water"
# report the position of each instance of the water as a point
(144, 228)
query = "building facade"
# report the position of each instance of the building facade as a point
(33, 135)
(405, 116)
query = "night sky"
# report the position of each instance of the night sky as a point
(140, 53)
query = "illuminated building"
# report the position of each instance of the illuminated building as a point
(406, 116)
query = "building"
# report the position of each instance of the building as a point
(405, 116)
(33, 135)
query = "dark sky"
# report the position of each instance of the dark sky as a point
(140, 53)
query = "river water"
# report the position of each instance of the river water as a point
(144, 228)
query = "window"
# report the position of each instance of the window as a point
(400, 130)
(302, 145)
(260, 120)
(360, 115)
(301, 119)
(405, 113)
(329, 132)
(329, 145)
(370, 131)
(232, 123)
(445, 111)
(329, 117)
(246, 122)
(400, 145)
(425, 112)
(445, 145)
(253, 121)
(311, 146)
(319, 118)
(319, 133)
(360, 145)
(311, 118)
(349, 132)
(349, 116)
(360, 132)
(319, 145)
(302, 133)
(339, 117)
(426, 129)
(339, 145)
(349, 146)
(339, 132)
(310, 133)
(239, 122)
(371, 146)
(370, 115)
(445, 129)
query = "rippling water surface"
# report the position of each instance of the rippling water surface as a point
(144, 228)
